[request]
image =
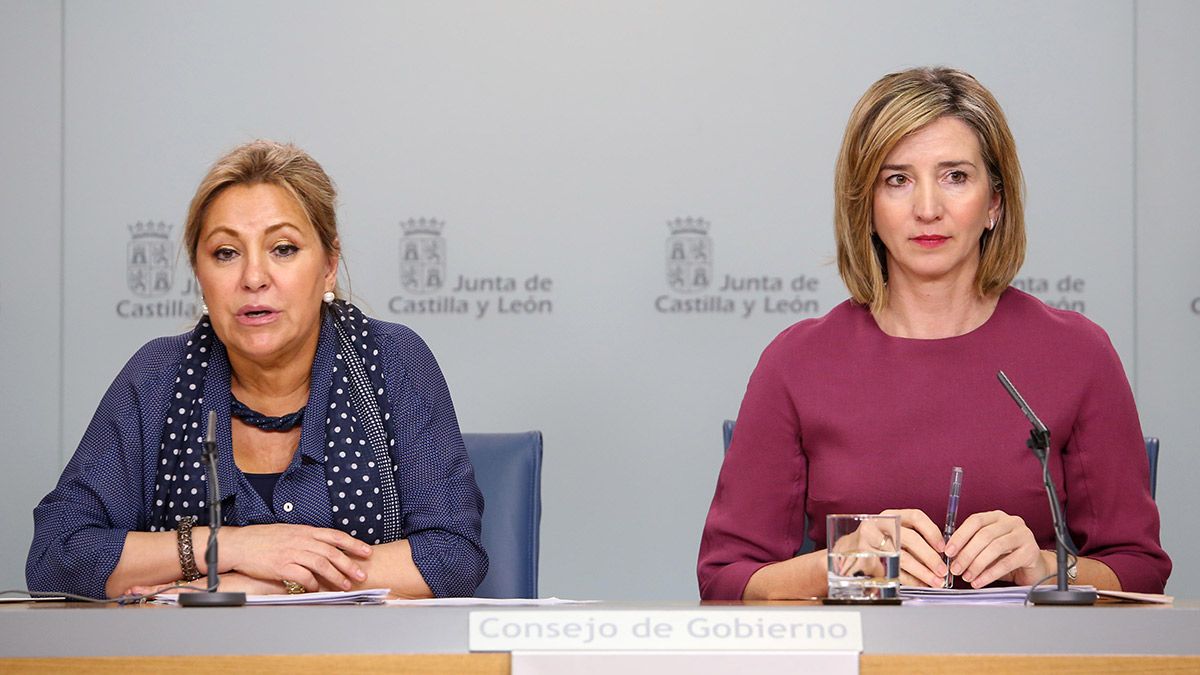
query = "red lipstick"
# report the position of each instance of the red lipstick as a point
(930, 240)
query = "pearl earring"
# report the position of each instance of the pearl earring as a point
(329, 297)
(203, 308)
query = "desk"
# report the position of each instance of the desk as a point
(924, 638)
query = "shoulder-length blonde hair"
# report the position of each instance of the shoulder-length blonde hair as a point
(895, 106)
(281, 164)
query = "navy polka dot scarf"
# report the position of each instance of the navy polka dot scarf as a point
(358, 467)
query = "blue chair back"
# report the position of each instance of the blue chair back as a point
(508, 469)
(727, 431)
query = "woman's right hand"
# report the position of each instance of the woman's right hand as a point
(314, 557)
(921, 546)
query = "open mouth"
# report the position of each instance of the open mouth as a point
(255, 315)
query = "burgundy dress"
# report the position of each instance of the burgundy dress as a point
(839, 417)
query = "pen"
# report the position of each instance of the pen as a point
(951, 519)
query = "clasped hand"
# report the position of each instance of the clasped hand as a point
(257, 558)
(987, 547)
(314, 557)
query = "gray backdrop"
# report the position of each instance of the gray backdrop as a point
(554, 153)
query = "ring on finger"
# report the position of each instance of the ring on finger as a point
(293, 588)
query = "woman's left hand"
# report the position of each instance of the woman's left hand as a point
(995, 546)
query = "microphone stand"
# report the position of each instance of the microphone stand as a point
(1039, 443)
(212, 598)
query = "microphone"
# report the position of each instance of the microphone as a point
(1029, 414)
(212, 598)
(1039, 443)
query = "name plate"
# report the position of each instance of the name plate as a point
(632, 630)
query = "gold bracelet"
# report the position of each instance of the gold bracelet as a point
(187, 557)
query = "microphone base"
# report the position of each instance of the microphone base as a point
(1056, 597)
(223, 599)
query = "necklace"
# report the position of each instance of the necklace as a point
(265, 422)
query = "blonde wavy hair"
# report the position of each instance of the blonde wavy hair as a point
(895, 106)
(270, 162)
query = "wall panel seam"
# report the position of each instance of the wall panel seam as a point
(60, 451)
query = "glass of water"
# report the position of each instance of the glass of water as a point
(864, 557)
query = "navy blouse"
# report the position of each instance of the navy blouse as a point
(107, 488)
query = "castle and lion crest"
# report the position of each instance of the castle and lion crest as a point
(422, 255)
(149, 270)
(689, 255)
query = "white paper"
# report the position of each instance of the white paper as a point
(489, 602)
(371, 596)
(1130, 596)
(994, 595)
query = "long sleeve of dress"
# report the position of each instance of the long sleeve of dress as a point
(1110, 512)
(757, 512)
(441, 503)
(80, 527)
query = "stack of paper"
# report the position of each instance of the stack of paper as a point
(379, 596)
(488, 602)
(370, 596)
(995, 595)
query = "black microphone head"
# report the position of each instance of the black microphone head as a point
(1020, 401)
